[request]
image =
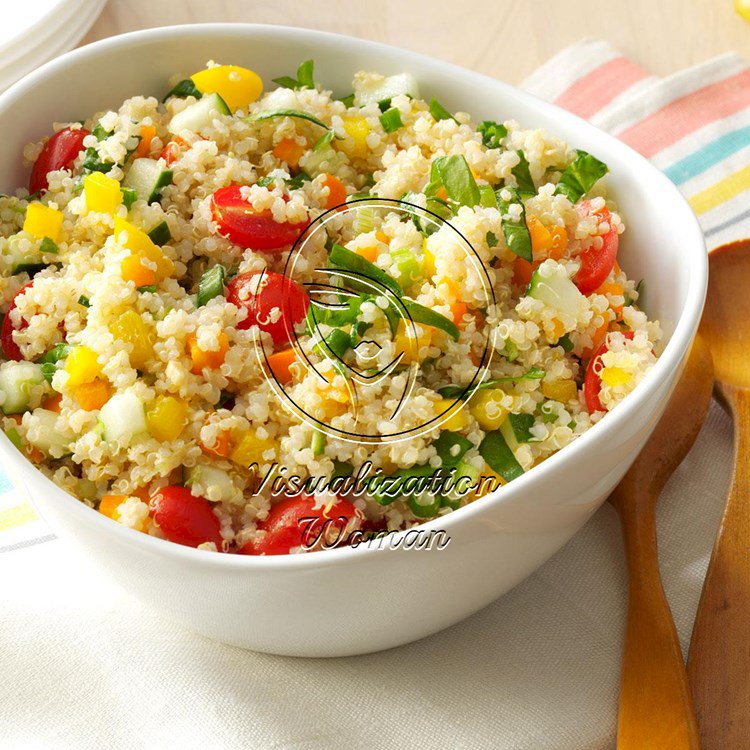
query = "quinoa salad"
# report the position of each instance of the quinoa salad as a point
(152, 328)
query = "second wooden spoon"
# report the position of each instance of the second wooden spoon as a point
(656, 710)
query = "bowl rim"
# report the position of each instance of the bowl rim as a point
(669, 360)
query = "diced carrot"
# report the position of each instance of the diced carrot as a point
(148, 132)
(522, 272)
(336, 191)
(458, 310)
(132, 269)
(142, 493)
(92, 396)
(280, 364)
(541, 239)
(222, 447)
(382, 237)
(207, 358)
(368, 253)
(34, 454)
(559, 242)
(52, 402)
(289, 150)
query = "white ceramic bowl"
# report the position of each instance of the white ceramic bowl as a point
(351, 601)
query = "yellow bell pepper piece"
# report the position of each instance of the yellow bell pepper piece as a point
(428, 260)
(486, 407)
(103, 194)
(92, 396)
(614, 376)
(560, 390)
(42, 221)
(458, 418)
(250, 449)
(133, 269)
(409, 345)
(142, 246)
(358, 129)
(130, 328)
(743, 8)
(109, 506)
(167, 418)
(237, 86)
(82, 366)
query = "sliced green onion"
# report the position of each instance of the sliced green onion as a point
(50, 358)
(391, 120)
(129, 196)
(183, 89)
(160, 234)
(211, 284)
(499, 457)
(439, 112)
(511, 351)
(48, 246)
(385, 490)
(451, 447)
(426, 316)
(580, 176)
(517, 235)
(548, 413)
(522, 173)
(15, 437)
(365, 219)
(346, 260)
(492, 133)
(318, 443)
(409, 267)
(425, 504)
(83, 300)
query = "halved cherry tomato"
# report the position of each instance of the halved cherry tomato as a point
(240, 223)
(59, 152)
(596, 263)
(259, 293)
(10, 348)
(287, 525)
(592, 383)
(185, 518)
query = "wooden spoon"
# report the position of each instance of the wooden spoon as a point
(656, 712)
(719, 660)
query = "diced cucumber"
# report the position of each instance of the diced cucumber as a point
(43, 433)
(319, 159)
(200, 115)
(160, 234)
(147, 177)
(123, 417)
(557, 291)
(402, 83)
(210, 476)
(19, 384)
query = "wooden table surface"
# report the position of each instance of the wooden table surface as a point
(504, 38)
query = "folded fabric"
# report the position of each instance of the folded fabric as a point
(84, 665)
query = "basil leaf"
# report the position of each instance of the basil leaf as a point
(580, 176)
(348, 100)
(92, 162)
(345, 259)
(454, 174)
(426, 316)
(526, 187)
(492, 133)
(517, 236)
(565, 342)
(184, 89)
(439, 112)
(100, 133)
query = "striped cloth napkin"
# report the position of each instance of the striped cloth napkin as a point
(536, 670)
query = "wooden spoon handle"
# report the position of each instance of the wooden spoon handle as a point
(656, 710)
(719, 661)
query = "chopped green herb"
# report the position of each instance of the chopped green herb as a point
(499, 457)
(183, 89)
(492, 133)
(580, 176)
(487, 197)
(565, 342)
(48, 246)
(82, 300)
(521, 425)
(100, 133)
(129, 196)
(549, 415)
(92, 162)
(511, 351)
(439, 112)
(391, 120)
(522, 173)
(304, 79)
(160, 234)
(491, 239)
(318, 443)
(50, 358)
(517, 236)
(348, 100)
(211, 284)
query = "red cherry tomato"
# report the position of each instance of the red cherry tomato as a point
(240, 223)
(10, 348)
(59, 152)
(259, 293)
(592, 383)
(287, 525)
(185, 518)
(596, 263)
